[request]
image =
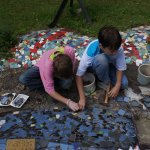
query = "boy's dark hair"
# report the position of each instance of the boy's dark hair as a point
(110, 37)
(63, 66)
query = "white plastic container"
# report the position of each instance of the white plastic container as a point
(20, 99)
(144, 74)
(89, 83)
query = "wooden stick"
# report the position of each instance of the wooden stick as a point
(106, 94)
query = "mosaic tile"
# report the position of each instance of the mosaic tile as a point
(33, 45)
(69, 128)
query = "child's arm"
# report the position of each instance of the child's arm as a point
(82, 99)
(72, 105)
(115, 90)
(119, 78)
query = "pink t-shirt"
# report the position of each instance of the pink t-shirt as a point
(45, 65)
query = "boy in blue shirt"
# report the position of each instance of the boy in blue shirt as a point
(105, 58)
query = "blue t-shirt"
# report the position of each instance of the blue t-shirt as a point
(93, 49)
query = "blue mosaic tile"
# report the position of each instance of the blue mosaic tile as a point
(70, 128)
(126, 99)
(2, 146)
(3, 141)
(146, 99)
(134, 103)
(121, 112)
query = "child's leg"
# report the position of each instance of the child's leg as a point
(100, 67)
(63, 83)
(113, 77)
(31, 78)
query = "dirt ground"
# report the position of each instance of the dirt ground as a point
(41, 100)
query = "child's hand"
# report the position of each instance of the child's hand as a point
(72, 105)
(114, 91)
(81, 104)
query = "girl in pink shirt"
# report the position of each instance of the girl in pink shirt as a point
(54, 66)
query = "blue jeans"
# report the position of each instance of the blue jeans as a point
(106, 72)
(31, 78)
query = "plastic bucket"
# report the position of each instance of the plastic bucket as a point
(89, 83)
(144, 74)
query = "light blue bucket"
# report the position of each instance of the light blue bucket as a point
(144, 74)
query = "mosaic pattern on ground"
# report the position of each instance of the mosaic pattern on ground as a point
(33, 45)
(95, 127)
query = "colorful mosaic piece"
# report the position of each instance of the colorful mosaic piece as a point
(32, 46)
(135, 44)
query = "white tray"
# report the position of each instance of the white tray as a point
(20, 96)
(6, 95)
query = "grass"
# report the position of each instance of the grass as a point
(23, 16)
(26, 15)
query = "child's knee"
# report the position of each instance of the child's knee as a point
(22, 79)
(102, 60)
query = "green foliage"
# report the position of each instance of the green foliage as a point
(7, 41)
(28, 15)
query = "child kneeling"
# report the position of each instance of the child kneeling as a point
(55, 68)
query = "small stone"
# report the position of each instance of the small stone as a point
(2, 122)
(55, 108)
(16, 112)
(89, 118)
(75, 114)
(57, 116)
(32, 125)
